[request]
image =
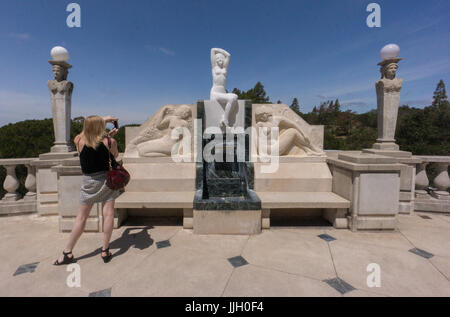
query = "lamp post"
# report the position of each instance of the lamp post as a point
(61, 97)
(388, 98)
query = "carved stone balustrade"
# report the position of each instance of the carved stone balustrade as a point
(433, 196)
(12, 203)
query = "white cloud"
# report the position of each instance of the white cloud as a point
(160, 49)
(20, 36)
(166, 51)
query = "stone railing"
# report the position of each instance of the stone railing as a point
(432, 196)
(12, 202)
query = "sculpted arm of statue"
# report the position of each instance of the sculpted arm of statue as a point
(163, 122)
(227, 55)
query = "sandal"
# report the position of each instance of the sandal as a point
(107, 258)
(66, 260)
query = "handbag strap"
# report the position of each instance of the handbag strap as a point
(109, 153)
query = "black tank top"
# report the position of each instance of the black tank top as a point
(95, 160)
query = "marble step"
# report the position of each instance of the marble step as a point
(155, 200)
(274, 200)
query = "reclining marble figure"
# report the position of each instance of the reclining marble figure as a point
(292, 140)
(155, 139)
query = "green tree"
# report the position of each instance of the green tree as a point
(440, 95)
(295, 105)
(257, 94)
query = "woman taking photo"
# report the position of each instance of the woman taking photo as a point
(94, 152)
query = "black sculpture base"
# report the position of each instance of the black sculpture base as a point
(225, 185)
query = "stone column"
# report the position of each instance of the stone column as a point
(388, 97)
(388, 90)
(11, 184)
(442, 181)
(61, 98)
(30, 183)
(422, 181)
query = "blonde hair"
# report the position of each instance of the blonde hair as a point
(93, 131)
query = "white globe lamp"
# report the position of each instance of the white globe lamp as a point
(59, 54)
(389, 51)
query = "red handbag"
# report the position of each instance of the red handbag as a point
(117, 176)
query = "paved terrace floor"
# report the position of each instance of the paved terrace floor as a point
(165, 260)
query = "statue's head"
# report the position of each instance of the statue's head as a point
(220, 59)
(263, 114)
(389, 70)
(184, 112)
(59, 72)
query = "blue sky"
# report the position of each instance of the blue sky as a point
(131, 57)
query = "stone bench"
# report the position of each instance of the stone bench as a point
(335, 207)
(158, 200)
(163, 200)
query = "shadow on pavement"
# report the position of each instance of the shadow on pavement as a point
(140, 240)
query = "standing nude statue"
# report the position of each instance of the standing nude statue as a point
(220, 59)
(291, 135)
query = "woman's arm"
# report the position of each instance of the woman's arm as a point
(110, 119)
(113, 149)
(77, 140)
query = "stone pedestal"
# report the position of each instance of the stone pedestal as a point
(407, 176)
(69, 178)
(224, 202)
(388, 98)
(47, 181)
(227, 222)
(372, 184)
(61, 109)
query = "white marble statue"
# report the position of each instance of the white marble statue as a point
(293, 141)
(155, 139)
(220, 60)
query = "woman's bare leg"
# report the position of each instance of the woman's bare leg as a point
(80, 223)
(108, 223)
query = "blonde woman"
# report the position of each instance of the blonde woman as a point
(92, 146)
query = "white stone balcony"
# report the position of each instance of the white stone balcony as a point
(432, 196)
(12, 202)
